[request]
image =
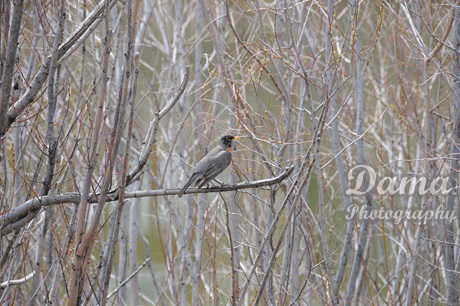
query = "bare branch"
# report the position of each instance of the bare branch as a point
(150, 138)
(8, 72)
(17, 281)
(129, 278)
(28, 97)
(36, 203)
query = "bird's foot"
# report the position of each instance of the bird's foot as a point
(221, 184)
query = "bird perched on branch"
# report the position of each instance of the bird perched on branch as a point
(212, 164)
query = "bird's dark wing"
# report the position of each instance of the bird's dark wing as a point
(210, 166)
(215, 166)
(203, 164)
(190, 181)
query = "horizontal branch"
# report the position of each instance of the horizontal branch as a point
(243, 185)
(17, 281)
(24, 209)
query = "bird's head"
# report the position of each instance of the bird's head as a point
(226, 141)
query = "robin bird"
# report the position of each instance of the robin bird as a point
(212, 164)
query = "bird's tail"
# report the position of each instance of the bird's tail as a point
(190, 182)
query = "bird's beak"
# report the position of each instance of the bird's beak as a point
(236, 138)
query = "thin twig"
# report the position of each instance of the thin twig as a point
(129, 278)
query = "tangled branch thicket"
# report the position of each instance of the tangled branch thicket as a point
(101, 120)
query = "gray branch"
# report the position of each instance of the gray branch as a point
(129, 278)
(17, 281)
(87, 26)
(36, 203)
